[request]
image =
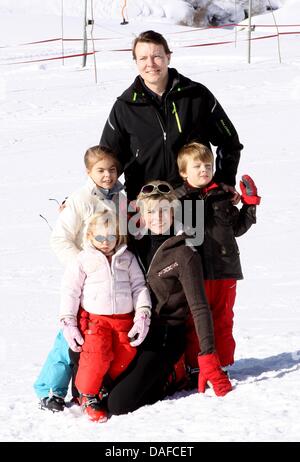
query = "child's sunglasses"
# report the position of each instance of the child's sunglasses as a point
(160, 188)
(108, 238)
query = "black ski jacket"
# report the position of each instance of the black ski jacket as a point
(147, 135)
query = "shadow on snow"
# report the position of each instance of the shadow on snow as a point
(281, 364)
(244, 369)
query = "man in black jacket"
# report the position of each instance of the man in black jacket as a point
(159, 113)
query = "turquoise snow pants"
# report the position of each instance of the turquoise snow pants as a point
(56, 373)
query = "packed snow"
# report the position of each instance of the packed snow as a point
(50, 114)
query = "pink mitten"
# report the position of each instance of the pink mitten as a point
(140, 329)
(72, 334)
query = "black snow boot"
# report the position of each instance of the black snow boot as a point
(54, 403)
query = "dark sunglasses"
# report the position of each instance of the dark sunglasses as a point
(160, 188)
(108, 238)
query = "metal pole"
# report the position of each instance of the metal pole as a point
(62, 31)
(235, 27)
(84, 35)
(93, 43)
(249, 31)
(278, 41)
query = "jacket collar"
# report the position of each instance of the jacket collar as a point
(137, 93)
(170, 244)
(192, 189)
(119, 251)
(100, 192)
(180, 236)
(212, 185)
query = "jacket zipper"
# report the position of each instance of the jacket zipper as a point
(161, 125)
(178, 124)
(164, 137)
(112, 284)
(112, 281)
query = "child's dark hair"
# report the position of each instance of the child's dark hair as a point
(96, 153)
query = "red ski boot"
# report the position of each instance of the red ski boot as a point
(93, 407)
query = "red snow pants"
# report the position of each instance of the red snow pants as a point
(106, 349)
(221, 297)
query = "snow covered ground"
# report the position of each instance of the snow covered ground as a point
(50, 114)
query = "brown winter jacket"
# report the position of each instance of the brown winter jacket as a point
(176, 279)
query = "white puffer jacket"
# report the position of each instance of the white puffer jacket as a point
(102, 288)
(67, 235)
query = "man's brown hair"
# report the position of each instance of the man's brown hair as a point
(150, 36)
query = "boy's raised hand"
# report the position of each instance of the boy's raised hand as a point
(236, 197)
(249, 191)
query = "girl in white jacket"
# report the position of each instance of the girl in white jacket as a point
(106, 286)
(102, 191)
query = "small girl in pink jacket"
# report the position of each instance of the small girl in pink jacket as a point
(106, 282)
(102, 191)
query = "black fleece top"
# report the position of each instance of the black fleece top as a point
(155, 241)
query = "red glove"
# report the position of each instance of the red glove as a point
(210, 371)
(249, 191)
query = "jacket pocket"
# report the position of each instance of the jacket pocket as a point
(222, 215)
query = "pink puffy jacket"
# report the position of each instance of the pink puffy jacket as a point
(100, 288)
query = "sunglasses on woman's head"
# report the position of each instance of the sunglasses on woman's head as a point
(108, 238)
(160, 188)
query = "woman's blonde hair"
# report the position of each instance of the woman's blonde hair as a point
(107, 219)
(148, 200)
(194, 151)
(97, 153)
